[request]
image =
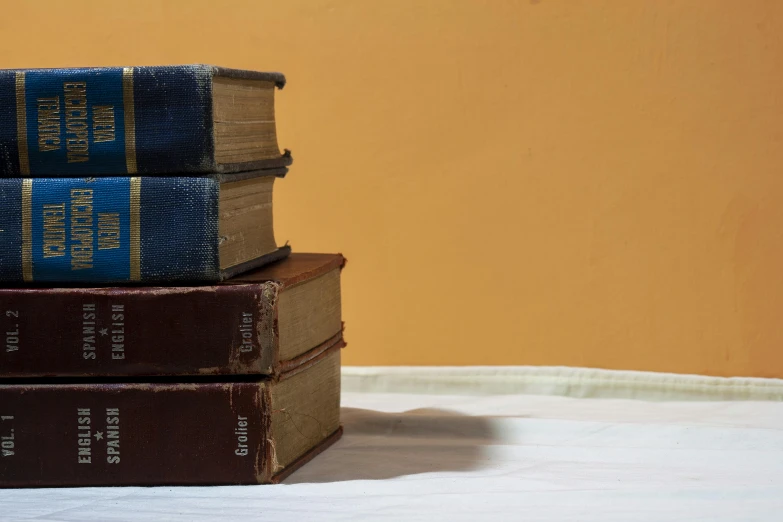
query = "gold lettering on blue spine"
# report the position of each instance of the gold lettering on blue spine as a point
(27, 229)
(77, 142)
(49, 124)
(109, 228)
(103, 123)
(81, 229)
(130, 120)
(21, 127)
(54, 239)
(135, 229)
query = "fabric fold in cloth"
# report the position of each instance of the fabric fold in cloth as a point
(558, 380)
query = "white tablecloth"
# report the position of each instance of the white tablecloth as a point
(429, 456)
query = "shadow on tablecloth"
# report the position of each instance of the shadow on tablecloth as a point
(379, 445)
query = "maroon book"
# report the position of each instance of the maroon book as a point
(262, 323)
(206, 431)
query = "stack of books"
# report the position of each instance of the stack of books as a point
(154, 333)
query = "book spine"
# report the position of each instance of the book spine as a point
(106, 121)
(109, 230)
(210, 330)
(133, 434)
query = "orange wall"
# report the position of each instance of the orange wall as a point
(594, 183)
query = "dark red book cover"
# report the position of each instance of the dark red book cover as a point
(206, 431)
(229, 328)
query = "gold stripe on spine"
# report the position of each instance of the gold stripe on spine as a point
(21, 125)
(135, 229)
(27, 229)
(130, 119)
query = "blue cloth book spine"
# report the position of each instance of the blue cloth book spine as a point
(111, 230)
(114, 121)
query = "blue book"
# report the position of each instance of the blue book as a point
(116, 121)
(144, 229)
